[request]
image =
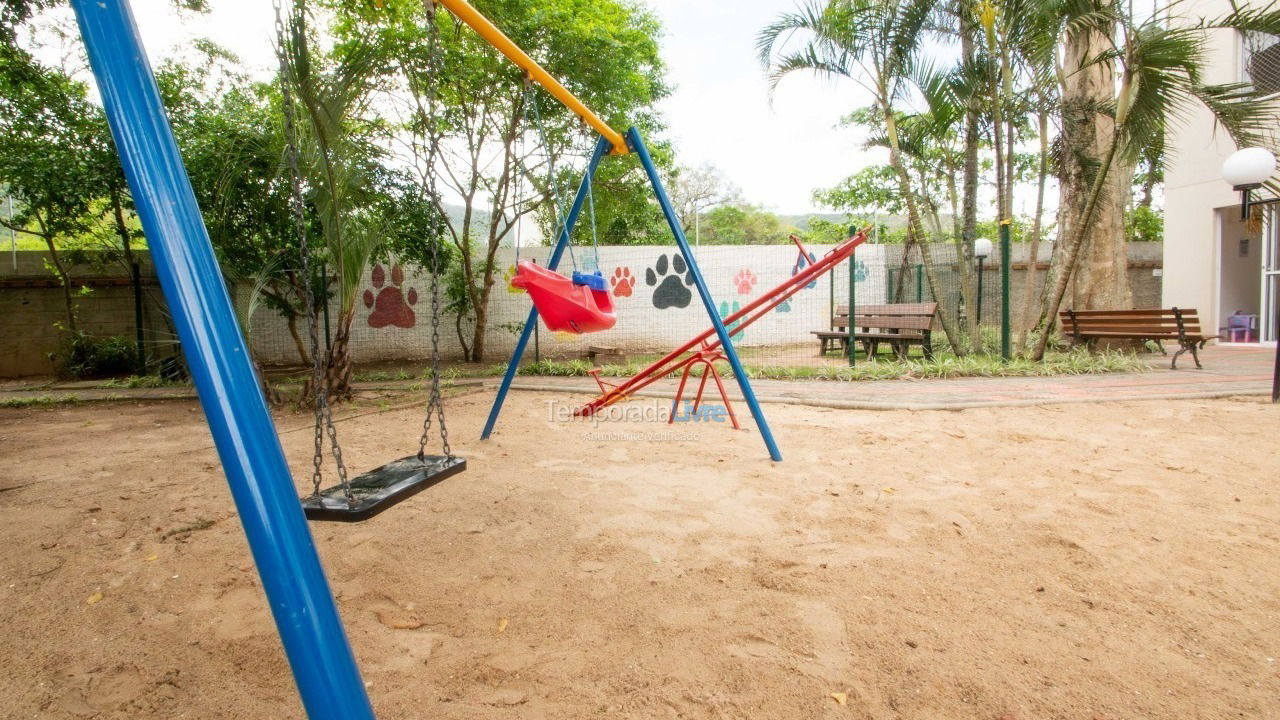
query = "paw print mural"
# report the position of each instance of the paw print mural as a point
(859, 271)
(727, 309)
(391, 305)
(744, 281)
(670, 280)
(784, 306)
(802, 262)
(623, 282)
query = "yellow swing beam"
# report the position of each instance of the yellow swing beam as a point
(463, 10)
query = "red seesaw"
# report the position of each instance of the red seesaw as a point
(703, 349)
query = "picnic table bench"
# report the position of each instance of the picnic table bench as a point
(899, 325)
(1085, 327)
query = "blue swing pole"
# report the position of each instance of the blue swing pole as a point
(261, 485)
(637, 145)
(603, 146)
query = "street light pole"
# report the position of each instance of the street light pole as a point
(1006, 262)
(978, 309)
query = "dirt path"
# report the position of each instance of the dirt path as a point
(1075, 561)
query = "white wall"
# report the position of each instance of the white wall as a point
(1194, 188)
(735, 275)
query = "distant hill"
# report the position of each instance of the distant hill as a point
(802, 221)
(892, 222)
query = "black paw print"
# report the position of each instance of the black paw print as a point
(671, 289)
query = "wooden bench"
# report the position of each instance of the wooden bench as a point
(899, 325)
(595, 352)
(1086, 327)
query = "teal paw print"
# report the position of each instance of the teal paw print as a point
(784, 306)
(859, 271)
(727, 309)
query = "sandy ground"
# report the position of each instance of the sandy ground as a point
(1109, 561)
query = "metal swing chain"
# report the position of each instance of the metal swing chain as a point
(434, 403)
(591, 214)
(561, 219)
(323, 413)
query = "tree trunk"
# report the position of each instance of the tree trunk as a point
(1148, 187)
(270, 392)
(477, 332)
(1086, 136)
(1033, 254)
(915, 228)
(291, 321)
(969, 191)
(1071, 253)
(122, 229)
(339, 367)
(1103, 267)
(61, 271)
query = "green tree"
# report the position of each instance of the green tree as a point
(339, 161)
(230, 132)
(47, 120)
(742, 224)
(873, 44)
(1160, 67)
(469, 117)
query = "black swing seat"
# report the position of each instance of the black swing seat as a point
(380, 488)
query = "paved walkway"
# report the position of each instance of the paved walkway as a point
(1228, 371)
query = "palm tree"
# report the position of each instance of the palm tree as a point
(936, 151)
(1160, 76)
(337, 165)
(874, 44)
(1022, 37)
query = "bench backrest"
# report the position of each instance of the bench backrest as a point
(898, 316)
(1155, 323)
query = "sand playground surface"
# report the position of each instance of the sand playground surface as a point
(1078, 561)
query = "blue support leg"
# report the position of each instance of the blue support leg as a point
(562, 242)
(637, 144)
(297, 591)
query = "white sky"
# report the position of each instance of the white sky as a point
(719, 113)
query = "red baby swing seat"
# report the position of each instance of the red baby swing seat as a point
(579, 305)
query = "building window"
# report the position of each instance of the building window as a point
(1262, 61)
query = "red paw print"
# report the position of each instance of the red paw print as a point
(390, 306)
(622, 281)
(745, 280)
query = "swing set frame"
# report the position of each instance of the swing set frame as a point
(301, 602)
(610, 142)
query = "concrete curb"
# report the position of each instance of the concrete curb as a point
(915, 406)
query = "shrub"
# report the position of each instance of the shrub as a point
(85, 356)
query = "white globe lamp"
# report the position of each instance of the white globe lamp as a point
(1246, 170)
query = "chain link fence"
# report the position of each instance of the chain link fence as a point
(658, 306)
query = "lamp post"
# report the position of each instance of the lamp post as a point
(1246, 170)
(981, 250)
